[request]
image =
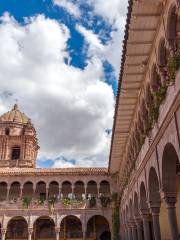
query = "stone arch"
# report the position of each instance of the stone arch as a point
(17, 228)
(3, 190)
(27, 190)
(105, 187)
(153, 186)
(40, 192)
(130, 209)
(44, 227)
(53, 189)
(92, 188)
(171, 24)
(169, 168)
(163, 53)
(66, 188)
(135, 205)
(96, 225)
(71, 227)
(143, 197)
(14, 191)
(155, 81)
(79, 189)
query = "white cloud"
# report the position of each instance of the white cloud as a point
(114, 13)
(71, 108)
(69, 6)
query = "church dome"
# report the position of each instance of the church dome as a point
(15, 115)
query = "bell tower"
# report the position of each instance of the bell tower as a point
(18, 142)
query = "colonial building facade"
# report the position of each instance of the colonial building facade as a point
(144, 163)
(47, 203)
(145, 149)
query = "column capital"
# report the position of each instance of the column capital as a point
(144, 213)
(57, 229)
(155, 207)
(30, 230)
(3, 231)
(170, 198)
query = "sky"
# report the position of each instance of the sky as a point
(61, 59)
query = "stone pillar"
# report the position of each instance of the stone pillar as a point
(59, 194)
(129, 232)
(98, 188)
(30, 231)
(7, 196)
(34, 191)
(155, 208)
(57, 230)
(133, 230)
(170, 200)
(85, 190)
(139, 226)
(3, 232)
(145, 219)
(73, 191)
(47, 191)
(21, 191)
(84, 235)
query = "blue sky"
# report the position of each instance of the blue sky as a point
(82, 39)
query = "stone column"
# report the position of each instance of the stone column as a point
(30, 231)
(98, 188)
(133, 230)
(145, 219)
(155, 208)
(129, 231)
(7, 196)
(59, 194)
(72, 191)
(85, 190)
(57, 230)
(47, 191)
(84, 235)
(170, 200)
(34, 191)
(3, 232)
(21, 191)
(139, 226)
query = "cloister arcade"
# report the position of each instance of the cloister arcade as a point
(152, 209)
(42, 190)
(150, 173)
(70, 227)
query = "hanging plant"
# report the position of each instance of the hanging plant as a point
(160, 95)
(173, 65)
(105, 201)
(92, 202)
(26, 202)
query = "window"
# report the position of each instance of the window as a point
(7, 131)
(15, 153)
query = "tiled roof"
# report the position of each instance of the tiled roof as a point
(53, 171)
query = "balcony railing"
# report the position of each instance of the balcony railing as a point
(51, 204)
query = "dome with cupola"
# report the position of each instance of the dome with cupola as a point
(14, 115)
(18, 141)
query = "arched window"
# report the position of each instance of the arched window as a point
(7, 131)
(15, 153)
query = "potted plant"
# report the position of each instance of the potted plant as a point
(26, 202)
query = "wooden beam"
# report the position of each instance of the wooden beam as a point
(140, 43)
(137, 55)
(142, 30)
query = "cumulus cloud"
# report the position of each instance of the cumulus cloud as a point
(69, 6)
(70, 108)
(114, 13)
